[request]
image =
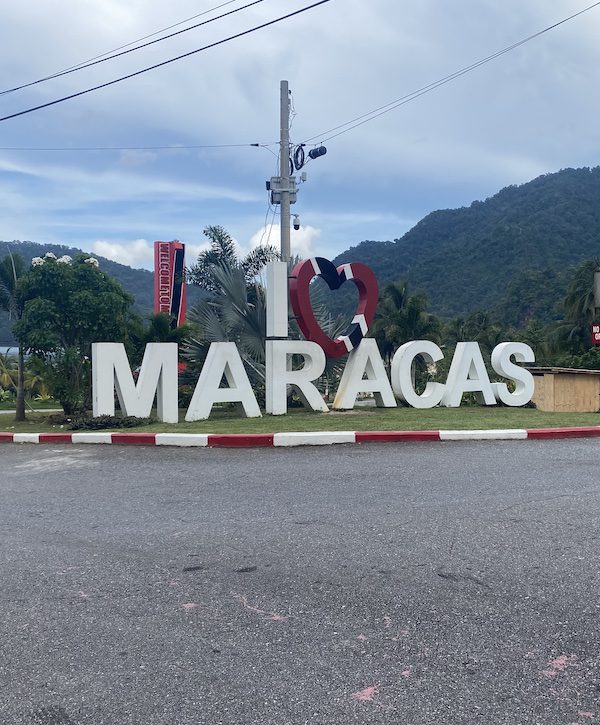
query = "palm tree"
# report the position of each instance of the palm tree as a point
(236, 312)
(223, 253)
(34, 382)
(228, 316)
(574, 333)
(402, 317)
(11, 268)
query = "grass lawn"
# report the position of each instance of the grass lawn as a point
(48, 404)
(361, 419)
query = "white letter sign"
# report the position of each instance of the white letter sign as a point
(364, 360)
(223, 359)
(467, 374)
(279, 376)
(402, 377)
(157, 377)
(523, 379)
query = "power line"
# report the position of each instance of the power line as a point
(92, 62)
(140, 148)
(150, 35)
(386, 108)
(156, 32)
(166, 62)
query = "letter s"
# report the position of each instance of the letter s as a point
(504, 366)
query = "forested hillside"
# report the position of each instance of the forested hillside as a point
(508, 254)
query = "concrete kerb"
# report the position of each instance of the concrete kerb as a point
(308, 438)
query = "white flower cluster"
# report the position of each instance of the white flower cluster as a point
(36, 261)
(65, 259)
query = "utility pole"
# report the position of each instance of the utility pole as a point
(277, 271)
(284, 169)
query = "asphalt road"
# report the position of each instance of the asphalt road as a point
(416, 583)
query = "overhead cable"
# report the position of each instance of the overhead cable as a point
(375, 113)
(92, 62)
(165, 62)
(139, 148)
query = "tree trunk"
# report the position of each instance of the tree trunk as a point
(20, 404)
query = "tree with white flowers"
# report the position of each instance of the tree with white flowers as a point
(67, 304)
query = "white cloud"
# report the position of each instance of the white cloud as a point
(531, 111)
(117, 185)
(139, 252)
(301, 240)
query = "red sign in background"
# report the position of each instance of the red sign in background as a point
(169, 286)
(596, 334)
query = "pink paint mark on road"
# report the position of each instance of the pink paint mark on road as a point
(362, 638)
(585, 713)
(188, 606)
(366, 695)
(272, 616)
(559, 664)
(406, 673)
(387, 621)
(83, 596)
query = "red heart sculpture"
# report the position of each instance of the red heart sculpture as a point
(368, 294)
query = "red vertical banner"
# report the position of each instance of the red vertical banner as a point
(596, 334)
(169, 282)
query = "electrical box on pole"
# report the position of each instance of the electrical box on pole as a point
(277, 185)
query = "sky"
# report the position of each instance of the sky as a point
(532, 111)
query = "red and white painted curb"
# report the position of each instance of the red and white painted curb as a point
(317, 438)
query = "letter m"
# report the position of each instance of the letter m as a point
(157, 378)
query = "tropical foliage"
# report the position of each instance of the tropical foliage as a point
(12, 268)
(137, 282)
(34, 384)
(236, 312)
(223, 253)
(574, 333)
(402, 317)
(67, 304)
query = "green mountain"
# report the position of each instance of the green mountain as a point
(138, 282)
(508, 254)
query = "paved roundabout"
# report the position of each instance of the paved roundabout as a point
(447, 582)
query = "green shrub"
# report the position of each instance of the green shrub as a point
(102, 422)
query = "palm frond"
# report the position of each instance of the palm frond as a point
(256, 259)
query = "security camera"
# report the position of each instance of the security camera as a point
(296, 222)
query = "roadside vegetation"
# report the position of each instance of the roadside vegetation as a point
(59, 306)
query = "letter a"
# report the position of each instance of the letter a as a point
(364, 360)
(223, 359)
(467, 374)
